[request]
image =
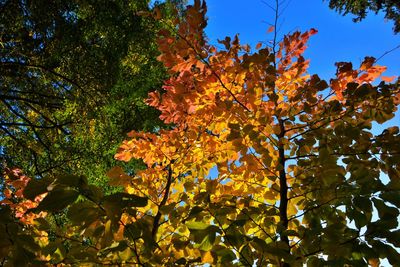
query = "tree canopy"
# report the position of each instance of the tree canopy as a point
(261, 164)
(73, 76)
(360, 8)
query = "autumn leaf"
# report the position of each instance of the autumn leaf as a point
(271, 29)
(388, 79)
(260, 163)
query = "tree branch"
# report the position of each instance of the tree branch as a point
(156, 222)
(45, 69)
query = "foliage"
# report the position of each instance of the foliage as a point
(263, 164)
(15, 215)
(29, 237)
(73, 82)
(360, 8)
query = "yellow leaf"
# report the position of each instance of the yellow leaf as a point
(207, 257)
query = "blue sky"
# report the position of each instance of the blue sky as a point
(338, 38)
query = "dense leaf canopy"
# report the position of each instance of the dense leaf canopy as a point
(262, 164)
(73, 78)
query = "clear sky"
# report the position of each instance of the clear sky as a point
(338, 38)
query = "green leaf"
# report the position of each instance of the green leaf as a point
(314, 261)
(36, 187)
(56, 250)
(195, 211)
(58, 199)
(207, 242)
(392, 197)
(363, 203)
(133, 231)
(115, 247)
(42, 224)
(236, 239)
(92, 192)
(77, 252)
(83, 213)
(27, 242)
(72, 180)
(125, 200)
(259, 244)
(360, 219)
(193, 225)
(180, 262)
(246, 255)
(21, 257)
(384, 211)
(125, 254)
(6, 215)
(386, 251)
(394, 238)
(167, 208)
(59, 254)
(225, 255)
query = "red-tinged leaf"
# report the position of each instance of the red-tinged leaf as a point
(258, 46)
(271, 29)
(6, 202)
(374, 262)
(157, 13)
(313, 31)
(388, 79)
(371, 74)
(153, 99)
(226, 42)
(367, 63)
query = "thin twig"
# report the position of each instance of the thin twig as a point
(387, 52)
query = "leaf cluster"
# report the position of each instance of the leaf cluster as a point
(360, 9)
(262, 164)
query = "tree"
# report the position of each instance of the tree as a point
(73, 76)
(360, 8)
(263, 164)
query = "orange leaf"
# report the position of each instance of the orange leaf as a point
(123, 156)
(118, 177)
(271, 29)
(157, 13)
(207, 257)
(367, 63)
(313, 31)
(154, 99)
(374, 262)
(388, 79)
